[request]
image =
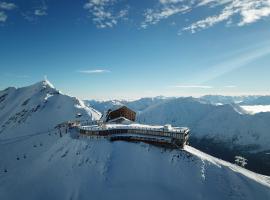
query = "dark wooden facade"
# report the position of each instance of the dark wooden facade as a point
(121, 112)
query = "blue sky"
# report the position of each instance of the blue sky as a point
(108, 49)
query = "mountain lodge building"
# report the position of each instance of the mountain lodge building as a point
(119, 113)
(119, 124)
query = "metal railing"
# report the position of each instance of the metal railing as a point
(105, 128)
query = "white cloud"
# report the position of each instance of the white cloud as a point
(102, 13)
(248, 11)
(213, 2)
(233, 12)
(4, 8)
(209, 21)
(153, 17)
(3, 16)
(193, 86)
(42, 10)
(230, 86)
(95, 71)
(7, 6)
(164, 10)
(253, 15)
(170, 1)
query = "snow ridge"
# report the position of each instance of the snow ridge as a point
(39, 107)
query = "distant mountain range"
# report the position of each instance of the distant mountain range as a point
(219, 125)
(241, 100)
(143, 103)
(137, 105)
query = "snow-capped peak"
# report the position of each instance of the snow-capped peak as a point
(46, 82)
(39, 106)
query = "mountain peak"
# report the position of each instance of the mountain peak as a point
(47, 83)
(42, 85)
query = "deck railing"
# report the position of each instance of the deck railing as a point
(99, 128)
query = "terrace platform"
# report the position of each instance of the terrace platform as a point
(167, 134)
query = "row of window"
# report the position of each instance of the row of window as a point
(134, 131)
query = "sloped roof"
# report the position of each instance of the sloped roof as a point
(117, 107)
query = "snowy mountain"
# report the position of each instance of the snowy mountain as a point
(143, 103)
(47, 166)
(229, 123)
(221, 130)
(37, 163)
(220, 99)
(103, 106)
(223, 122)
(39, 107)
(261, 100)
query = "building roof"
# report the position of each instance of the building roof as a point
(117, 107)
(113, 109)
(123, 120)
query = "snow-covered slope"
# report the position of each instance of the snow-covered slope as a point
(37, 108)
(37, 163)
(227, 122)
(46, 166)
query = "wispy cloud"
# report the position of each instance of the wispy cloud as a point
(35, 13)
(193, 86)
(7, 6)
(230, 86)
(164, 10)
(248, 11)
(95, 71)
(232, 63)
(154, 16)
(209, 21)
(231, 12)
(103, 14)
(3, 16)
(212, 2)
(4, 8)
(42, 10)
